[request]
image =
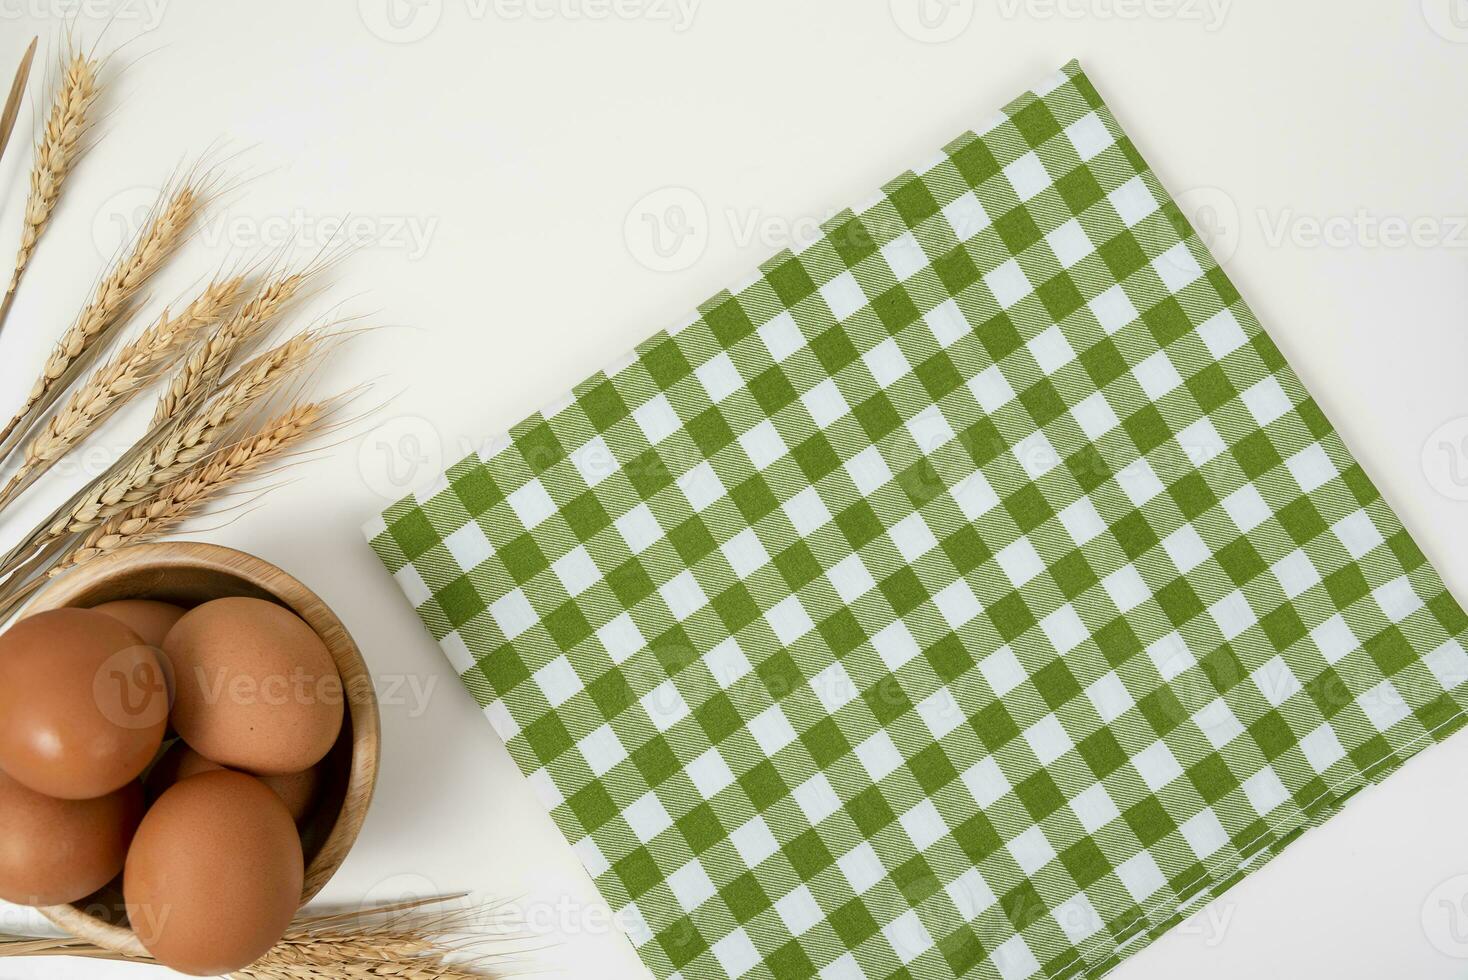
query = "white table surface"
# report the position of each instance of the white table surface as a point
(496, 151)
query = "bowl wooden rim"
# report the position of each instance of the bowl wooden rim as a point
(361, 702)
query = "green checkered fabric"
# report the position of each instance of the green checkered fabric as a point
(973, 591)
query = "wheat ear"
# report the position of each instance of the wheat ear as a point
(56, 153)
(17, 93)
(408, 941)
(188, 440)
(110, 387)
(184, 495)
(167, 451)
(209, 360)
(164, 233)
(346, 969)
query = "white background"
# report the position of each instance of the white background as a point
(501, 156)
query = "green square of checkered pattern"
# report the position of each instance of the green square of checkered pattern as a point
(974, 591)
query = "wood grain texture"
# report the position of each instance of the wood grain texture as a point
(188, 573)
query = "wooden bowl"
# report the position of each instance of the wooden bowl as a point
(188, 573)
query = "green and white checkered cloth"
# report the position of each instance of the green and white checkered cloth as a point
(973, 591)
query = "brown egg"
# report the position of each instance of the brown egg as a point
(214, 874)
(296, 790)
(83, 703)
(148, 618)
(57, 851)
(106, 903)
(151, 620)
(257, 689)
(177, 763)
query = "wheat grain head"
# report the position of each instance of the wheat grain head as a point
(209, 360)
(164, 233)
(188, 492)
(110, 387)
(57, 151)
(188, 440)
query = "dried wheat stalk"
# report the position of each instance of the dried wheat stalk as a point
(17, 93)
(167, 451)
(164, 233)
(189, 491)
(192, 438)
(57, 152)
(110, 387)
(152, 467)
(192, 418)
(430, 968)
(211, 358)
(406, 942)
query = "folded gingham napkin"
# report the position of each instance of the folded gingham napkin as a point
(973, 591)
